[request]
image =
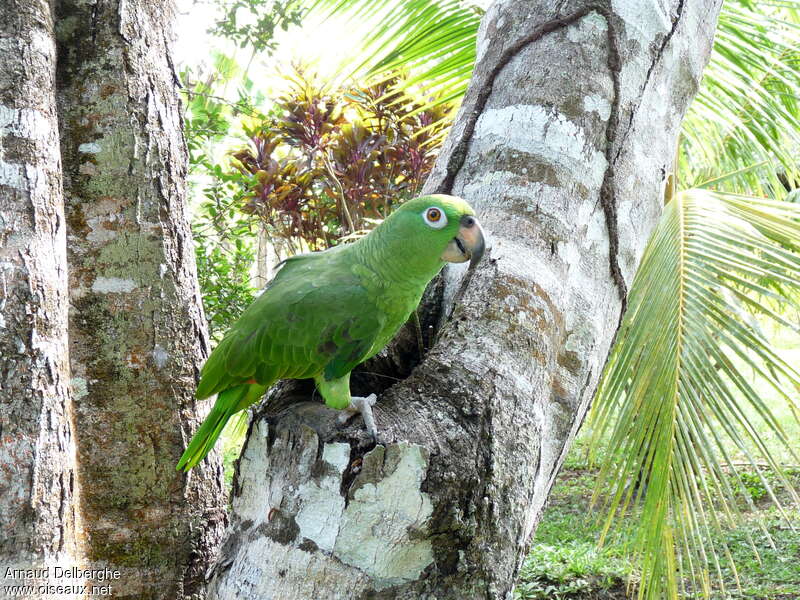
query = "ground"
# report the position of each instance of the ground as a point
(565, 562)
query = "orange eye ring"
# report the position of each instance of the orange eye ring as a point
(434, 214)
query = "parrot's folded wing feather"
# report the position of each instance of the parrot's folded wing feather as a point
(214, 377)
(351, 343)
(314, 316)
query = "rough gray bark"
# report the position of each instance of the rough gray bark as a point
(37, 453)
(137, 334)
(566, 133)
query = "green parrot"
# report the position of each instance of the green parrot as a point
(326, 312)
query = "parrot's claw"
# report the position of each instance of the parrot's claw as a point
(363, 405)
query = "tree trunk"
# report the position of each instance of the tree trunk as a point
(37, 452)
(562, 145)
(137, 334)
(270, 253)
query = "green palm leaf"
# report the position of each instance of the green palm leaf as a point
(747, 111)
(432, 39)
(675, 397)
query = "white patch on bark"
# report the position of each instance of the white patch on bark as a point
(26, 123)
(319, 516)
(79, 387)
(32, 125)
(587, 28)
(598, 104)
(250, 504)
(89, 148)
(374, 534)
(644, 22)
(113, 285)
(644, 19)
(160, 356)
(11, 176)
(8, 116)
(535, 129)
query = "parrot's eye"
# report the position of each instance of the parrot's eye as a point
(435, 217)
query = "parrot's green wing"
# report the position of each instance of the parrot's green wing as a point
(350, 343)
(314, 317)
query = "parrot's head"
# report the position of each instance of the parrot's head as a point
(443, 225)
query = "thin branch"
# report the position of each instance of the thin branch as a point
(237, 107)
(345, 208)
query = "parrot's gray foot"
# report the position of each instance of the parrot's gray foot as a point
(363, 405)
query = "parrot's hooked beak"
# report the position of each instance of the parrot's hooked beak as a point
(468, 245)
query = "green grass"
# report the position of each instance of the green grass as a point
(775, 573)
(786, 344)
(565, 562)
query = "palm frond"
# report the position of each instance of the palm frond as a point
(433, 40)
(676, 395)
(747, 110)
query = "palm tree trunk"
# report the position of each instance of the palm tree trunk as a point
(37, 451)
(137, 334)
(561, 145)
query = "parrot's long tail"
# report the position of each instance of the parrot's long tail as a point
(228, 403)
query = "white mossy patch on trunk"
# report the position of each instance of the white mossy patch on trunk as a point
(90, 148)
(374, 527)
(539, 130)
(377, 528)
(112, 285)
(320, 515)
(11, 176)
